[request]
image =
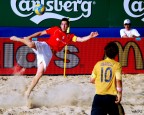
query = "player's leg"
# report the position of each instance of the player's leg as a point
(44, 55)
(121, 109)
(115, 109)
(97, 106)
(111, 106)
(35, 80)
(25, 41)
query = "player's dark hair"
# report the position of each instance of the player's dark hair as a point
(111, 50)
(65, 19)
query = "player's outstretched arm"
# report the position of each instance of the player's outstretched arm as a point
(27, 40)
(37, 34)
(85, 38)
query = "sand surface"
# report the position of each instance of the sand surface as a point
(56, 95)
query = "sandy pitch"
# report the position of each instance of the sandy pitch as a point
(56, 95)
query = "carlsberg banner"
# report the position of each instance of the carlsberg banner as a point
(82, 13)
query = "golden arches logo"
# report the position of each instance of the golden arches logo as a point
(124, 53)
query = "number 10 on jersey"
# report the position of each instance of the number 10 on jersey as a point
(106, 74)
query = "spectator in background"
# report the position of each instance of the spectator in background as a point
(128, 32)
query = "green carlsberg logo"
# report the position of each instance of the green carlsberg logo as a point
(54, 9)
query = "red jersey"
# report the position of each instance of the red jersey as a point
(58, 39)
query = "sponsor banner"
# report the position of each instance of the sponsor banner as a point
(16, 58)
(82, 13)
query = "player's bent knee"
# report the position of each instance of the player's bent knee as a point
(31, 45)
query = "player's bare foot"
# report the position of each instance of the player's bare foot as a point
(29, 103)
(14, 38)
(28, 100)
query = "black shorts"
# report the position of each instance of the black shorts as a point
(104, 104)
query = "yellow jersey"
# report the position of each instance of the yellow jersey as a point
(105, 73)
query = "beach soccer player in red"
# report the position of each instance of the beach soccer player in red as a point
(55, 43)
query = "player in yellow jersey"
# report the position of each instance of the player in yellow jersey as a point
(107, 78)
